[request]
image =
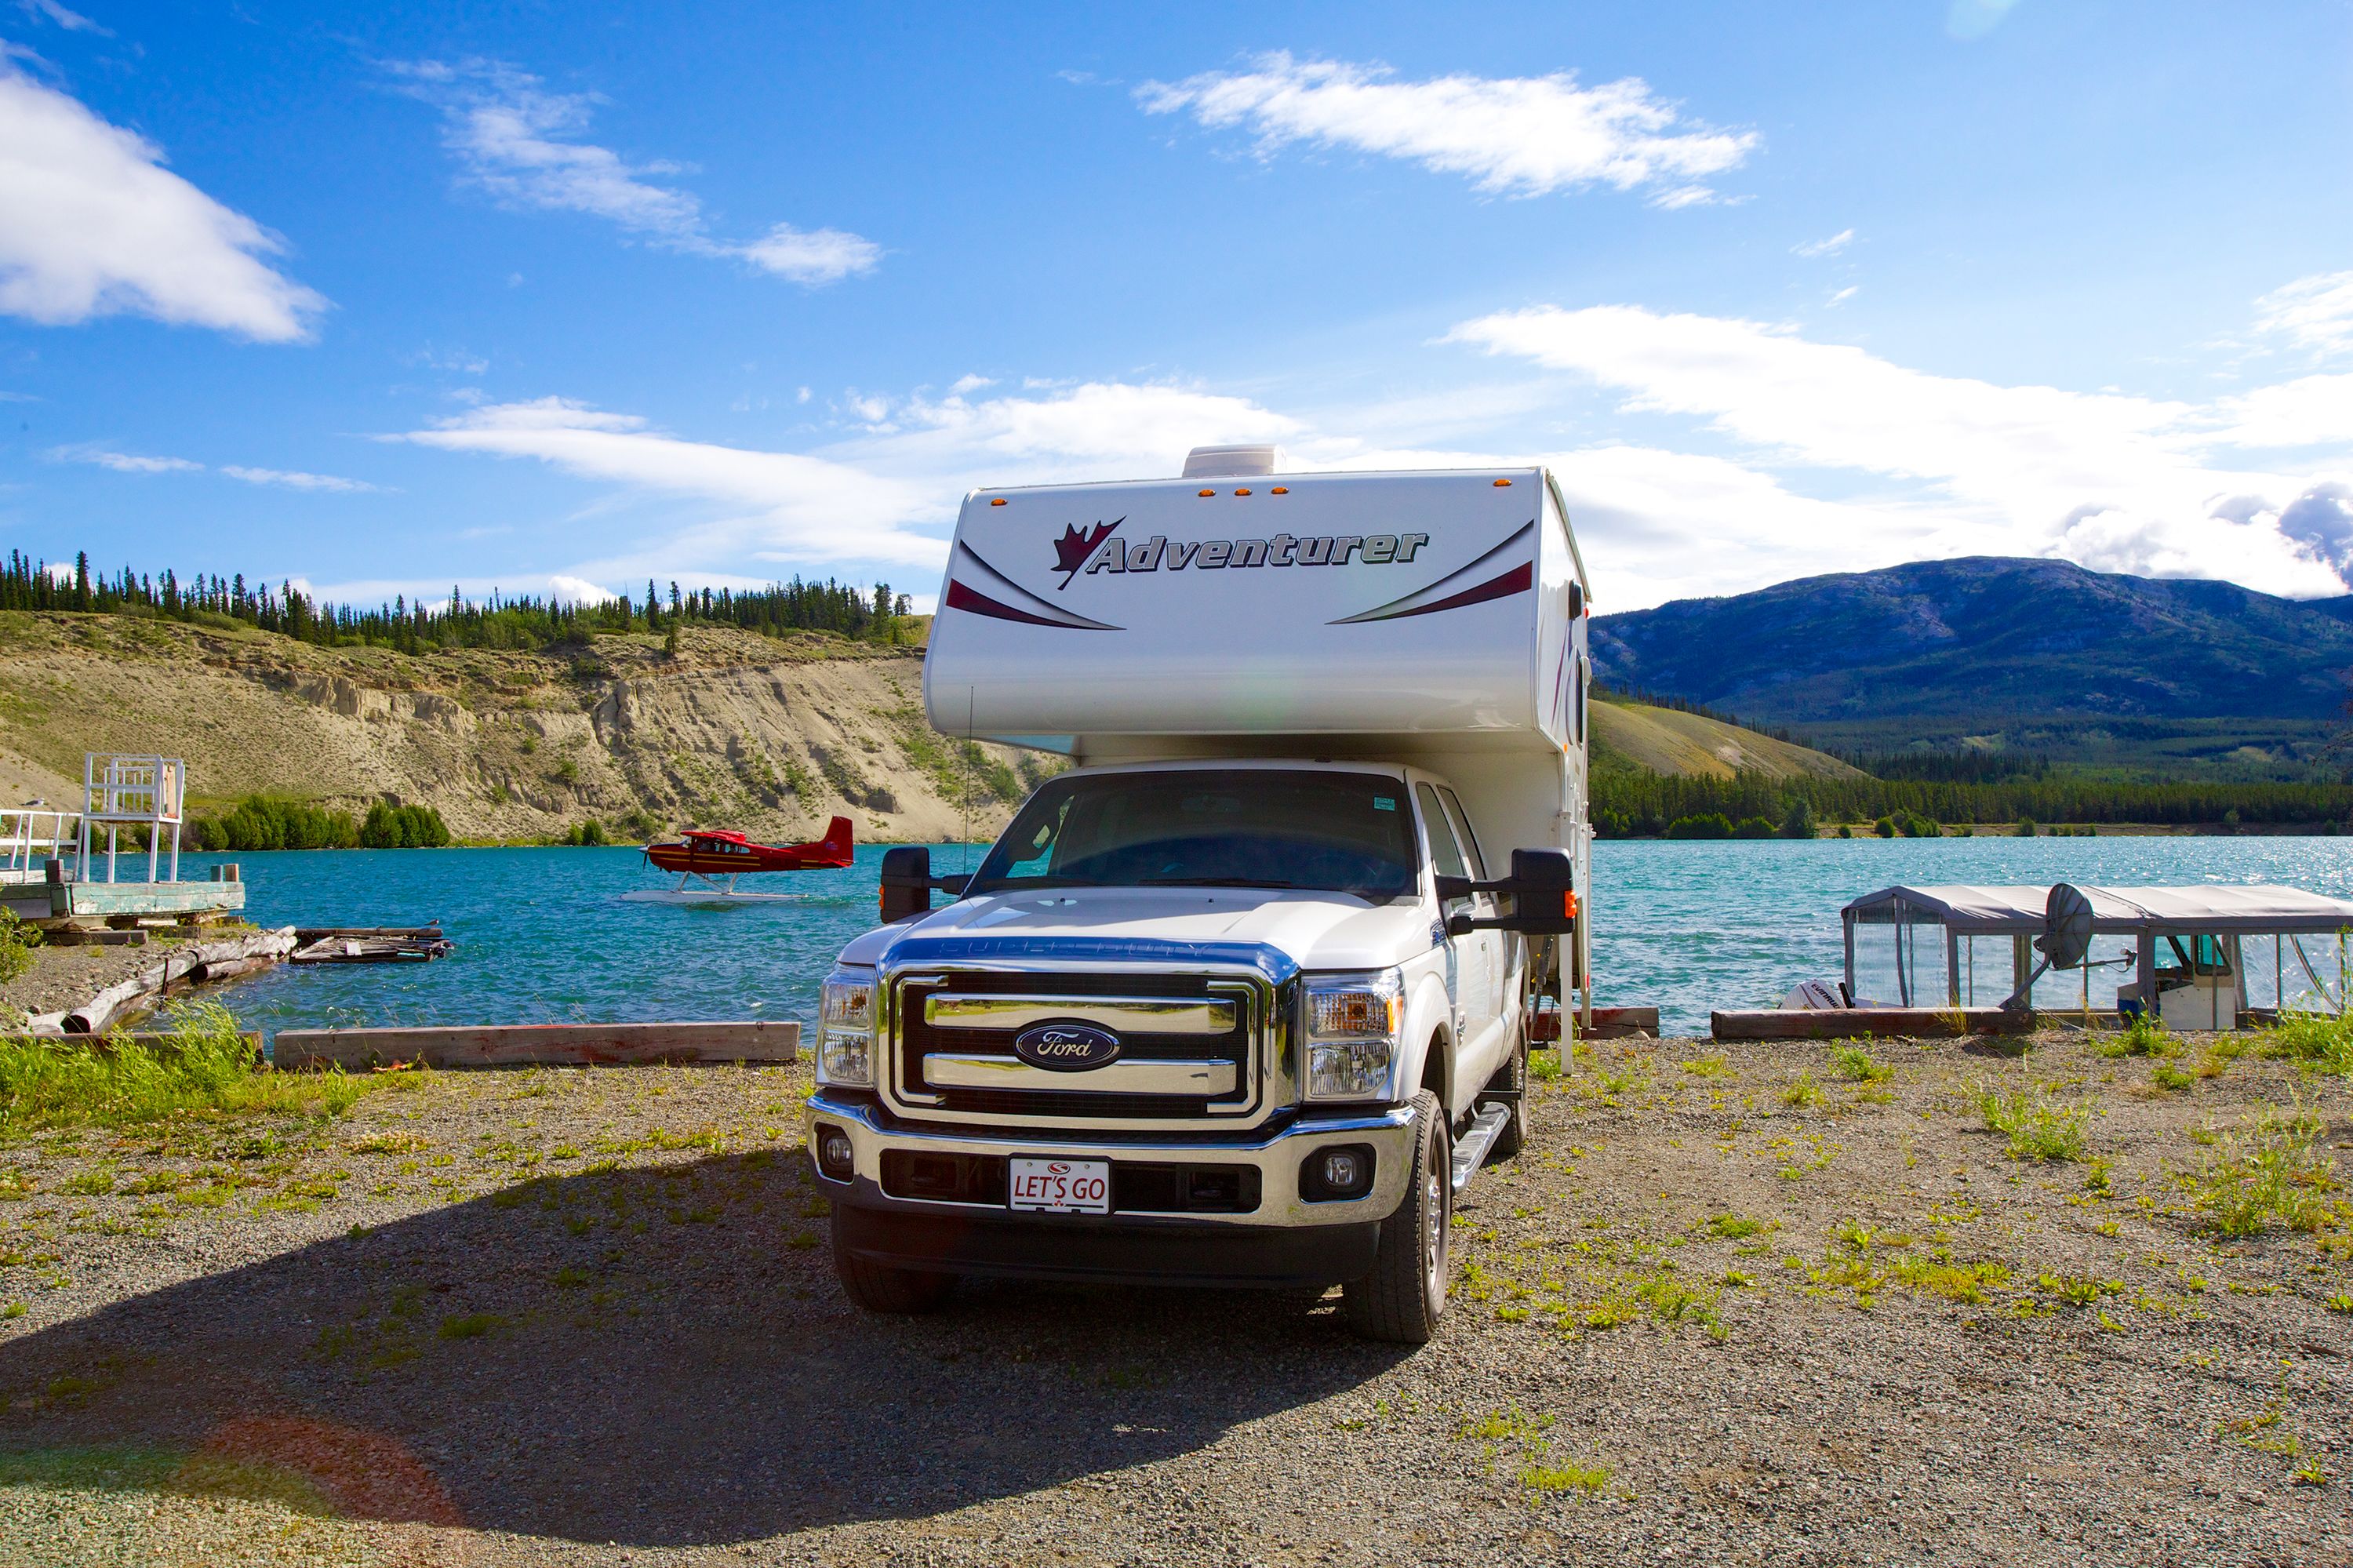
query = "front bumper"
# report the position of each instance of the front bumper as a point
(1285, 1239)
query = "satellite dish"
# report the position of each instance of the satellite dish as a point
(2066, 928)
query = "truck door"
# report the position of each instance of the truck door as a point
(1501, 999)
(1475, 954)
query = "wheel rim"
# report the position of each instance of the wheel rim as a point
(1433, 1233)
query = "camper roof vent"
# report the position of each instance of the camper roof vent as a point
(1231, 462)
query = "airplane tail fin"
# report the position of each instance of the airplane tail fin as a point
(838, 836)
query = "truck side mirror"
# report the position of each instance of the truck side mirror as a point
(907, 883)
(1542, 891)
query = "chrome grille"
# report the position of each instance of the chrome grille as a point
(1191, 1044)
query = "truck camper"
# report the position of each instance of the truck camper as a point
(1245, 996)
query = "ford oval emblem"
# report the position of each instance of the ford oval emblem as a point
(1067, 1047)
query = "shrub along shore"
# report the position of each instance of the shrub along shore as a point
(1632, 803)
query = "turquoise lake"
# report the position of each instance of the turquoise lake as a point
(543, 935)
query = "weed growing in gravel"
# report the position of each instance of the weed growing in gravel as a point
(388, 1143)
(2340, 1302)
(2168, 1076)
(2142, 1037)
(1544, 1065)
(1543, 1478)
(2077, 1291)
(471, 1325)
(2037, 1129)
(1732, 1227)
(2321, 1042)
(1803, 1092)
(1708, 1067)
(1855, 1063)
(2267, 1171)
(205, 1066)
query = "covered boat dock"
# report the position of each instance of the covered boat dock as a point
(2192, 950)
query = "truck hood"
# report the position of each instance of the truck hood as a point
(1312, 930)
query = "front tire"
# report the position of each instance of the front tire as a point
(1402, 1299)
(878, 1287)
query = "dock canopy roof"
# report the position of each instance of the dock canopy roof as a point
(2213, 909)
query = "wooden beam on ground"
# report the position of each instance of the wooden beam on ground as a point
(1868, 1022)
(539, 1045)
(1622, 1024)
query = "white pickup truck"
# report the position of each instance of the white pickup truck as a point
(1245, 996)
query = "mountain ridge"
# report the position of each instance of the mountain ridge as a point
(1954, 648)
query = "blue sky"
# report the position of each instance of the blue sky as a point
(394, 297)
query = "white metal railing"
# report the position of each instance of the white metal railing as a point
(30, 836)
(120, 792)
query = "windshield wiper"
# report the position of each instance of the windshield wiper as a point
(1214, 882)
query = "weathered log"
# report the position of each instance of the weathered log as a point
(1868, 1022)
(93, 1016)
(549, 1044)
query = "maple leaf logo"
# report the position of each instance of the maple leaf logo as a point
(1074, 548)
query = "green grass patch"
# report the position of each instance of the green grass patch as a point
(1855, 1063)
(2320, 1042)
(2267, 1173)
(2142, 1037)
(204, 1066)
(1586, 1479)
(2037, 1129)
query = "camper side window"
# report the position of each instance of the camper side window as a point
(1444, 852)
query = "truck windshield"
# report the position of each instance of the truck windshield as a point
(1348, 833)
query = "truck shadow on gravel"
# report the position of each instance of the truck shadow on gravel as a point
(648, 1356)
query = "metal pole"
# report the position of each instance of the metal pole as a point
(1846, 920)
(1952, 969)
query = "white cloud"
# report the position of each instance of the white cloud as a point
(2314, 411)
(287, 480)
(91, 224)
(578, 590)
(56, 15)
(1513, 135)
(130, 462)
(1831, 246)
(769, 505)
(819, 256)
(525, 146)
(2118, 482)
(1096, 430)
(2314, 313)
(126, 462)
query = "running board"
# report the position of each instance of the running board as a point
(1472, 1152)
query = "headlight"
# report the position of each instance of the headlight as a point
(1352, 1037)
(845, 1031)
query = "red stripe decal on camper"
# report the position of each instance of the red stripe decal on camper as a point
(1519, 579)
(1430, 599)
(962, 597)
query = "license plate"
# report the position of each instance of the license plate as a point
(1059, 1186)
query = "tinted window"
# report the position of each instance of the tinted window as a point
(1444, 852)
(1213, 827)
(1461, 820)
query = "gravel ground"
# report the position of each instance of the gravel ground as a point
(63, 977)
(1740, 1304)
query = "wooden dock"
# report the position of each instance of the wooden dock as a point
(539, 1045)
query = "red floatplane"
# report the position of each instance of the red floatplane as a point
(715, 858)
